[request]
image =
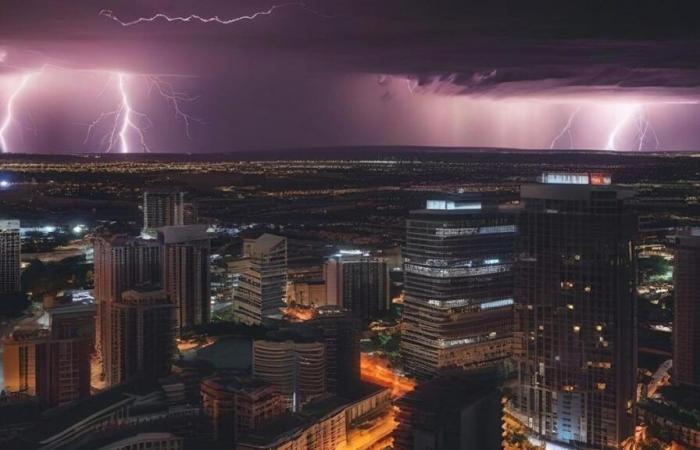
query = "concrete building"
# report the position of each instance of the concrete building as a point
(143, 335)
(686, 322)
(151, 441)
(52, 362)
(310, 293)
(450, 412)
(576, 311)
(239, 405)
(341, 335)
(262, 285)
(458, 286)
(162, 208)
(121, 263)
(10, 247)
(294, 362)
(186, 277)
(357, 282)
(320, 426)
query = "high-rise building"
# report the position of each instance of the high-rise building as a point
(686, 321)
(190, 215)
(575, 311)
(121, 263)
(162, 208)
(458, 286)
(186, 276)
(238, 405)
(357, 282)
(262, 285)
(294, 362)
(52, 362)
(143, 336)
(341, 334)
(451, 412)
(9, 256)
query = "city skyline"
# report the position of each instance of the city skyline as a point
(349, 225)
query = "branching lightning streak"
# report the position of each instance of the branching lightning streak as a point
(174, 97)
(566, 130)
(9, 111)
(630, 111)
(126, 120)
(215, 19)
(645, 130)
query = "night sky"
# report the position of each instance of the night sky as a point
(518, 74)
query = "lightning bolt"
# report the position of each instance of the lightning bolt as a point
(9, 111)
(215, 19)
(125, 121)
(174, 98)
(629, 112)
(645, 130)
(566, 130)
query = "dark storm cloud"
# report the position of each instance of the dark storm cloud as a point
(296, 72)
(498, 46)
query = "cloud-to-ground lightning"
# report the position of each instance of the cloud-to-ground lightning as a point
(566, 130)
(125, 121)
(9, 110)
(628, 113)
(214, 19)
(645, 132)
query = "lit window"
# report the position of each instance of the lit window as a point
(570, 306)
(577, 328)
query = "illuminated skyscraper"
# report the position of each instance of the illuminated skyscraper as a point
(186, 251)
(686, 322)
(52, 361)
(9, 256)
(121, 264)
(162, 208)
(261, 292)
(458, 286)
(357, 282)
(575, 311)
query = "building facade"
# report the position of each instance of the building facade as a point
(262, 284)
(186, 274)
(162, 208)
(458, 287)
(686, 321)
(341, 334)
(357, 282)
(52, 362)
(121, 263)
(143, 336)
(237, 405)
(295, 367)
(576, 311)
(10, 247)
